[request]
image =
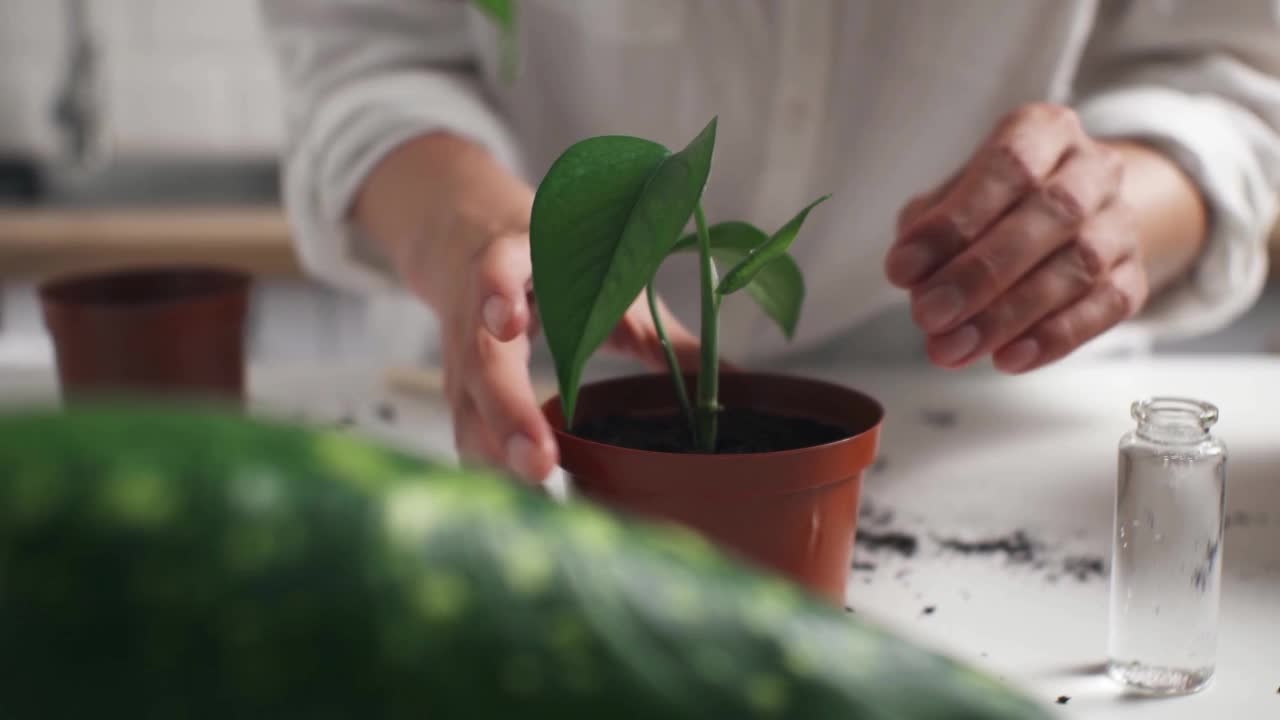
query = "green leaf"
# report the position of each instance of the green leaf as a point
(502, 12)
(605, 216)
(740, 276)
(779, 286)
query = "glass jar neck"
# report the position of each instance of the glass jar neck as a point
(1174, 420)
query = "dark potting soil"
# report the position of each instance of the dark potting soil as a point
(903, 543)
(740, 431)
(1083, 568)
(870, 515)
(1016, 546)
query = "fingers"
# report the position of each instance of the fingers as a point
(1042, 222)
(472, 439)
(499, 287)
(1108, 304)
(1023, 151)
(499, 384)
(1069, 274)
(496, 415)
(916, 208)
(636, 335)
(534, 326)
(687, 347)
(1027, 254)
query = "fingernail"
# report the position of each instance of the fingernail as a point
(957, 345)
(497, 311)
(938, 308)
(520, 456)
(909, 263)
(1020, 355)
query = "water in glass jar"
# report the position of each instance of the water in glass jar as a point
(1166, 562)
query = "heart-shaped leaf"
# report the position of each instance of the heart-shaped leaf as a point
(741, 275)
(778, 288)
(605, 216)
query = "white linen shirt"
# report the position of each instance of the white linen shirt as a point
(870, 100)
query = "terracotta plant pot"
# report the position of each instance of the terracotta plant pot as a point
(793, 512)
(168, 332)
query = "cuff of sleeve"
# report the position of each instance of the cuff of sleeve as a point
(352, 132)
(1204, 138)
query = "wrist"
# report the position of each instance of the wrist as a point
(433, 203)
(1170, 212)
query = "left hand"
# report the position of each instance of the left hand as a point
(1026, 253)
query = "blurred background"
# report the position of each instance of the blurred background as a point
(147, 131)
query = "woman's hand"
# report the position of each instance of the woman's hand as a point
(1037, 245)
(455, 226)
(487, 325)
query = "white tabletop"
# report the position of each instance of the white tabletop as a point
(977, 456)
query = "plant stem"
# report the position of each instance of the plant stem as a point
(510, 55)
(709, 375)
(681, 393)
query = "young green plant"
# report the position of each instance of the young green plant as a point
(607, 214)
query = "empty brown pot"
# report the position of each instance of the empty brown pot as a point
(173, 333)
(794, 512)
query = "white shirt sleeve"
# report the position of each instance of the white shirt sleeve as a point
(361, 77)
(1200, 80)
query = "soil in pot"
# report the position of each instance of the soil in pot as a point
(741, 430)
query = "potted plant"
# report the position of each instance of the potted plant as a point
(767, 466)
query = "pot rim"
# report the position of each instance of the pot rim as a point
(552, 405)
(227, 284)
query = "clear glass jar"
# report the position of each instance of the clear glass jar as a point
(1167, 553)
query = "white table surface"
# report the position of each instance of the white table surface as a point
(974, 455)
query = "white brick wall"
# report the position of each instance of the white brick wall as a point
(184, 76)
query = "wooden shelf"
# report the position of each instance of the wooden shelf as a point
(39, 243)
(35, 244)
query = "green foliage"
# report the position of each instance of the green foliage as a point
(760, 257)
(778, 286)
(607, 213)
(605, 216)
(158, 564)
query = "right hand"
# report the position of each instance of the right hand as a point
(487, 320)
(455, 224)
